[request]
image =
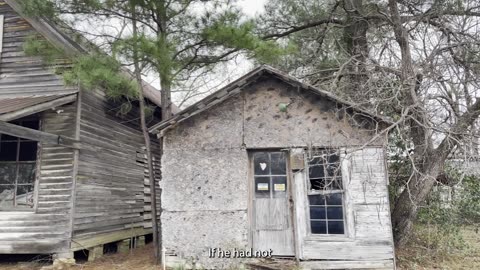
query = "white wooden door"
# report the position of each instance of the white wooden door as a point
(272, 225)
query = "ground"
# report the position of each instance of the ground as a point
(139, 259)
(415, 256)
(454, 253)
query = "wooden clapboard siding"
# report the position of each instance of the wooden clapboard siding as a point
(23, 75)
(110, 189)
(142, 159)
(45, 229)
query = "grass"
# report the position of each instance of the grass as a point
(428, 250)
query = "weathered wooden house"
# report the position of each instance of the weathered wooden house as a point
(71, 168)
(276, 167)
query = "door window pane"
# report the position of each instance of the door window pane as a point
(261, 163)
(270, 174)
(279, 186)
(278, 164)
(262, 186)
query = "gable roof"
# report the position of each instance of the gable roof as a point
(238, 85)
(59, 39)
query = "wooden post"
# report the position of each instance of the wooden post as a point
(38, 108)
(37, 135)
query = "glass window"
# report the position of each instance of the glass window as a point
(325, 192)
(17, 168)
(270, 174)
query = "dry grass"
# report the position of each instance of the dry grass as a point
(417, 256)
(139, 258)
(413, 257)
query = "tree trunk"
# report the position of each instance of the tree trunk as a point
(355, 38)
(153, 198)
(407, 205)
(148, 148)
(166, 99)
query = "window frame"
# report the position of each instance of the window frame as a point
(17, 162)
(271, 190)
(346, 236)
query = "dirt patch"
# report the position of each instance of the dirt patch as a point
(139, 258)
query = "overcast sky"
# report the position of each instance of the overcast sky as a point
(225, 74)
(252, 7)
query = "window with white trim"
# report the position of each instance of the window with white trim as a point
(325, 192)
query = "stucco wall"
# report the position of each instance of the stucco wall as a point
(205, 184)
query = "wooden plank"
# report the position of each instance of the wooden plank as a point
(46, 30)
(36, 135)
(37, 108)
(1, 32)
(85, 242)
(382, 264)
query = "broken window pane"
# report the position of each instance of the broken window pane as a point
(324, 170)
(28, 151)
(334, 199)
(6, 195)
(316, 168)
(8, 151)
(30, 124)
(17, 168)
(26, 173)
(7, 173)
(326, 200)
(316, 199)
(5, 137)
(24, 195)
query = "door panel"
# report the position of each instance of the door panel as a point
(272, 228)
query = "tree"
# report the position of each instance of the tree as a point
(415, 61)
(178, 41)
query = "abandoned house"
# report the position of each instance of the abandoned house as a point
(271, 165)
(71, 168)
